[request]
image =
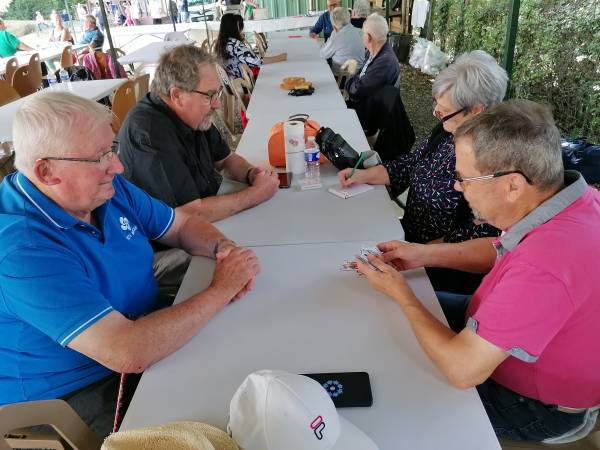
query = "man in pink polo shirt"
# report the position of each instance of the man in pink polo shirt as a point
(531, 343)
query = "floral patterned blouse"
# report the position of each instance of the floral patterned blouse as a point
(434, 209)
(239, 53)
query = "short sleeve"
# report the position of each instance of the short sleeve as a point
(49, 289)
(13, 40)
(524, 311)
(218, 147)
(155, 216)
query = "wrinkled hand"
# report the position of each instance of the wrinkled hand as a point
(312, 35)
(235, 273)
(264, 184)
(403, 255)
(359, 177)
(387, 280)
(350, 66)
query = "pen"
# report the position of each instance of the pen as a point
(362, 155)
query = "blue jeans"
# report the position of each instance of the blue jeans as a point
(523, 419)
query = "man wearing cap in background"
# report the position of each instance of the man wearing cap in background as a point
(531, 340)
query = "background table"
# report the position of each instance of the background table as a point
(150, 54)
(306, 316)
(47, 53)
(298, 48)
(93, 90)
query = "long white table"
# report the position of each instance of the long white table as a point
(298, 45)
(93, 90)
(305, 315)
(296, 217)
(53, 51)
(150, 54)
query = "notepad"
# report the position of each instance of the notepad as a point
(351, 191)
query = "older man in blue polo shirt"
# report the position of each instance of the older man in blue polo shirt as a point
(78, 300)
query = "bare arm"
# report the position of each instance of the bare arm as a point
(465, 359)
(274, 59)
(24, 47)
(475, 255)
(372, 175)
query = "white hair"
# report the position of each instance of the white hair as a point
(475, 78)
(340, 17)
(361, 8)
(377, 27)
(51, 123)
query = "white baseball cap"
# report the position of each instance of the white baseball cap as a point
(276, 410)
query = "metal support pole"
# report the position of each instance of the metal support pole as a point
(511, 37)
(108, 35)
(170, 3)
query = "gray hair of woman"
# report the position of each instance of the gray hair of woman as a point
(377, 27)
(361, 8)
(475, 78)
(49, 123)
(517, 135)
(180, 67)
(340, 17)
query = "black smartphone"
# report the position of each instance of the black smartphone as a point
(285, 179)
(346, 389)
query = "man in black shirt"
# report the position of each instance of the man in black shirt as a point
(170, 148)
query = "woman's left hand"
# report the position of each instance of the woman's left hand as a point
(387, 280)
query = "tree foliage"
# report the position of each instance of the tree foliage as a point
(25, 9)
(557, 54)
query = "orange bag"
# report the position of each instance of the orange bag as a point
(276, 143)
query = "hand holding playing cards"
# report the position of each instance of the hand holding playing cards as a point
(386, 279)
(403, 255)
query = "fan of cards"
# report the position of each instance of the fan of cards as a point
(351, 266)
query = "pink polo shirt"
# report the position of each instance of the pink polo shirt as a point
(541, 301)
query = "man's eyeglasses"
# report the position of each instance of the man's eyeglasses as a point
(103, 159)
(212, 98)
(462, 180)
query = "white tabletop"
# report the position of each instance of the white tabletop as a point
(299, 46)
(50, 52)
(296, 217)
(268, 96)
(93, 90)
(319, 319)
(150, 53)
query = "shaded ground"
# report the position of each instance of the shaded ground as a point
(415, 88)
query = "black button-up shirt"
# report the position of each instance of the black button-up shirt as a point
(167, 158)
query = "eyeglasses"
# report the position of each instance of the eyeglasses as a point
(212, 98)
(103, 159)
(449, 116)
(462, 180)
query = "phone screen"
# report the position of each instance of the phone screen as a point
(285, 179)
(346, 389)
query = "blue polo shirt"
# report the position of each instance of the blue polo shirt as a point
(58, 276)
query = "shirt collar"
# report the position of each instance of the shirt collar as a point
(575, 187)
(160, 105)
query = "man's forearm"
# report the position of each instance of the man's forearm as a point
(475, 255)
(196, 235)
(220, 207)
(236, 167)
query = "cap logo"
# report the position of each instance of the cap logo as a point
(318, 425)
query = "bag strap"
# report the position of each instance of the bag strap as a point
(300, 116)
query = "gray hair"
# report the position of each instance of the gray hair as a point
(340, 17)
(517, 135)
(377, 27)
(91, 18)
(361, 8)
(475, 78)
(180, 67)
(49, 123)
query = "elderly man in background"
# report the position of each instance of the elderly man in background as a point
(531, 340)
(324, 21)
(360, 12)
(171, 149)
(9, 43)
(381, 67)
(92, 36)
(79, 301)
(345, 42)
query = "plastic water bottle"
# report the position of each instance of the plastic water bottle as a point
(64, 77)
(51, 80)
(311, 158)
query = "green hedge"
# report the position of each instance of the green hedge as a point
(557, 55)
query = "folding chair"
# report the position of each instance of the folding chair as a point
(123, 100)
(142, 85)
(11, 66)
(66, 57)
(7, 93)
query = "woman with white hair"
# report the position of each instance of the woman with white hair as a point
(360, 12)
(381, 67)
(434, 210)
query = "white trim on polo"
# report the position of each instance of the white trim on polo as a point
(36, 205)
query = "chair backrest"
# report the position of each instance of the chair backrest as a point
(263, 39)
(259, 44)
(66, 57)
(35, 67)
(205, 45)
(123, 100)
(248, 76)
(7, 93)
(142, 85)
(24, 82)
(56, 413)
(11, 66)
(176, 36)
